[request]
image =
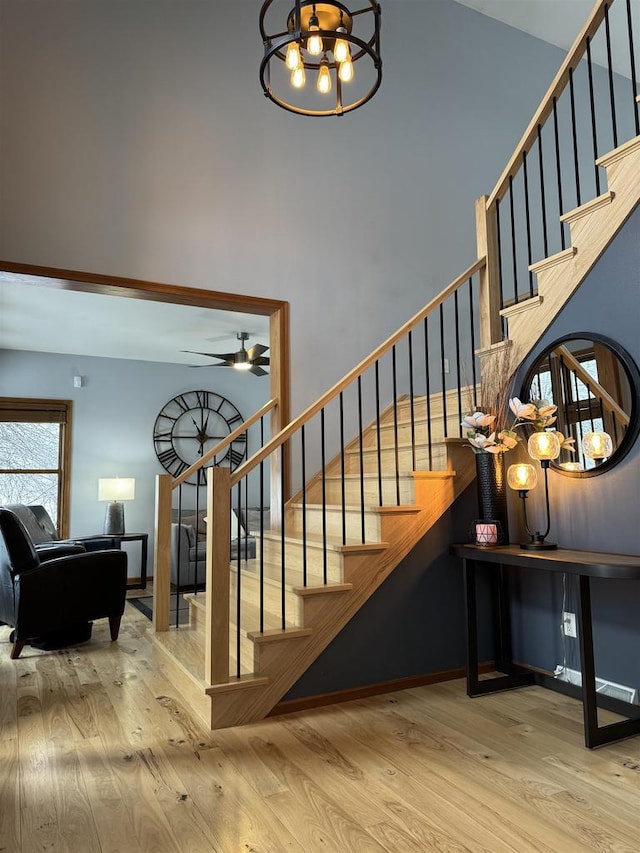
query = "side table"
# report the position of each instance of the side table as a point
(115, 540)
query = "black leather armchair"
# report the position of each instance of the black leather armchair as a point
(40, 598)
(43, 534)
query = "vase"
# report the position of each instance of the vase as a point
(492, 492)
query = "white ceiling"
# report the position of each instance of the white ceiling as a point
(46, 319)
(558, 22)
(52, 320)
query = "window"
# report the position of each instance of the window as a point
(35, 449)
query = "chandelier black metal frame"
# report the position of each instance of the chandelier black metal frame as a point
(319, 38)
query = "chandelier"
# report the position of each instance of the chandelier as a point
(309, 68)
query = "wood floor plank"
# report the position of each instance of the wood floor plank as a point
(99, 751)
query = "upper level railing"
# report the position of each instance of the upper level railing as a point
(589, 109)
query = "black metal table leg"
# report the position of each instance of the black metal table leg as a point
(595, 735)
(514, 678)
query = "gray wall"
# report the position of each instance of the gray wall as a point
(136, 141)
(113, 417)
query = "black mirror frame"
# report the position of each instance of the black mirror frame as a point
(633, 377)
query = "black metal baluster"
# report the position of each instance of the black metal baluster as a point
(576, 165)
(527, 214)
(634, 79)
(589, 404)
(342, 482)
(503, 322)
(262, 530)
(282, 536)
(378, 440)
(428, 390)
(592, 107)
(457, 332)
(558, 171)
(442, 373)
(543, 201)
(514, 254)
(413, 423)
(324, 495)
(304, 506)
(179, 554)
(612, 96)
(473, 350)
(395, 422)
(238, 582)
(361, 448)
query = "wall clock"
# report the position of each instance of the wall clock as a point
(190, 425)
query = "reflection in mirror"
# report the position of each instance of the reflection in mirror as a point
(594, 383)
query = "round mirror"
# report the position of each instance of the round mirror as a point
(595, 384)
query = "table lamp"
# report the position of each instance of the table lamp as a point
(522, 477)
(115, 490)
(597, 446)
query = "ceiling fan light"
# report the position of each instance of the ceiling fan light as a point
(242, 365)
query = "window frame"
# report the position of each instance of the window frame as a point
(38, 410)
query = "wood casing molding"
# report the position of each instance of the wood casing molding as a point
(276, 309)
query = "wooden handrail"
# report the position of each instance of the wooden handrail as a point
(367, 362)
(596, 16)
(592, 384)
(226, 441)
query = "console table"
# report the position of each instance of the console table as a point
(584, 564)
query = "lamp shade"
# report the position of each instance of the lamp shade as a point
(597, 445)
(522, 477)
(543, 446)
(116, 489)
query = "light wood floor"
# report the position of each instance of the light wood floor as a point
(99, 753)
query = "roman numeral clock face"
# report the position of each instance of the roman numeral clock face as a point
(190, 425)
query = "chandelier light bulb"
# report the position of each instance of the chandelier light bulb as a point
(345, 72)
(314, 42)
(341, 50)
(293, 58)
(298, 77)
(324, 77)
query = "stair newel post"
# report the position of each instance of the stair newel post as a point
(487, 246)
(162, 554)
(216, 653)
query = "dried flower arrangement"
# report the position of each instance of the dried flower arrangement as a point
(492, 429)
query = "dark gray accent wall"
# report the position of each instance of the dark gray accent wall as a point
(599, 513)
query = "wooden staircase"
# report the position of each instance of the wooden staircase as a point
(593, 226)
(350, 525)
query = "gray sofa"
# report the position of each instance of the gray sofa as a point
(189, 541)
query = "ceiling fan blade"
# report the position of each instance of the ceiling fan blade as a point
(257, 371)
(260, 360)
(255, 351)
(227, 356)
(221, 364)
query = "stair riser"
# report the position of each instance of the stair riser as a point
(294, 560)
(406, 461)
(420, 433)
(334, 523)
(371, 492)
(272, 603)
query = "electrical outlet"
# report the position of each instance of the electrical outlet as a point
(569, 624)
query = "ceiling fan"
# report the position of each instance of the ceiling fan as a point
(250, 360)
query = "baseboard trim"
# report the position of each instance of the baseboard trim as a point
(350, 694)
